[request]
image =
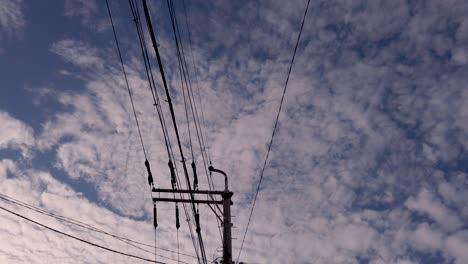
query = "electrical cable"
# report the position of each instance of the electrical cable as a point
(178, 257)
(206, 147)
(150, 176)
(274, 130)
(155, 244)
(136, 19)
(169, 100)
(126, 79)
(77, 238)
(181, 56)
(185, 73)
(186, 108)
(86, 226)
(149, 72)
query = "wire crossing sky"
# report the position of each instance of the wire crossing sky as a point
(273, 133)
(368, 164)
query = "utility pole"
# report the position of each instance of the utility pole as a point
(226, 202)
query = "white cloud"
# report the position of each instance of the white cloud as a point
(460, 56)
(346, 238)
(426, 203)
(367, 114)
(14, 134)
(456, 246)
(427, 238)
(77, 52)
(26, 242)
(11, 17)
(84, 9)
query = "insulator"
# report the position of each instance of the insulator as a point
(150, 175)
(197, 222)
(155, 216)
(177, 216)
(195, 176)
(173, 177)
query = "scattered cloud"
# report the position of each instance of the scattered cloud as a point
(77, 52)
(427, 204)
(15, 134)
(83, 9)
(12, 19)
(367, 165)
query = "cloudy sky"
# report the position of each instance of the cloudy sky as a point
(369, 163)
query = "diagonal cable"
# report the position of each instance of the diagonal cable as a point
(274, 130)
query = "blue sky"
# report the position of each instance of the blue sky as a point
(369, 163)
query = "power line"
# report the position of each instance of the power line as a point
(86, 226)
(136, 16)
(205, 147)
(77, 238)
(205, 150)
(126, 79)
(149, 72)
(183, 68)
(169, 101)
(150, 176)
(274, 130)
(157, 104)
(152, 86)
(182, 63)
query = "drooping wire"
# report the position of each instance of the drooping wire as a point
(155, 244)
(150, 176)
(155, 224)
(157, 104)
(80, 224)
(77, 238)
(178, 256)
(169, 100)
(185, 73)
(274, 130)
(206, 147)
(177, 227)
(126, 79)
(181, 56)
(186, 108)
(188, 84)
(149, 72)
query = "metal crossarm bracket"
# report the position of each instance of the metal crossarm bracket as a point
(175, 200)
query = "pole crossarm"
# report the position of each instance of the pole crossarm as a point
(188, 191)
(157, 199)
(226, 201)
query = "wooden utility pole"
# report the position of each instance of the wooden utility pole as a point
(226, 202)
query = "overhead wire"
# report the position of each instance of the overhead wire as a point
(126, 79)
(274, 130)
(157, 104)
(206, 148)
(188, 84)
(184, 74)
(181, 57)
(77, 238)
(169, 100)
(147, 164)
(183, 68)
(85, 225)
(149, 72)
